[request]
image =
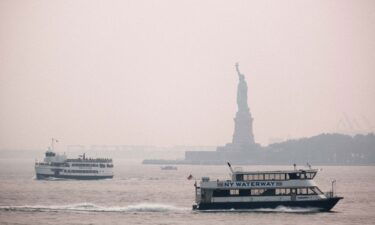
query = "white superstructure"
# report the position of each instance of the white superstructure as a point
(59, 166)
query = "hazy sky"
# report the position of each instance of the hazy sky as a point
(162, 72)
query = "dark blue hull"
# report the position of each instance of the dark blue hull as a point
(323, 205)
(44, 176)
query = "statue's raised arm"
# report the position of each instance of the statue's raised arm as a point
(240, 75)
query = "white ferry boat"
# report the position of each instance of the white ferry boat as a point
(59, 166)
(168, 167)
(264, 189)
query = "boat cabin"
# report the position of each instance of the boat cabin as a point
(274, 175)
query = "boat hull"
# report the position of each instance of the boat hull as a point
(323, 205)
(78, 177)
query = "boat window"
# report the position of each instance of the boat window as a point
(293, 176)
(84, 165)
(234, 192)
(282, 191)
(257, 191)
(269, 192)
(244, 192)
(261, 177)
(50, 154)
(239, 177)
(317, 191)
(310, 191)
(255, 176)
(282, 176)
(302, 176)
(266, 176)
(220, 193)
(302, 191)
(277, 176)
(279, 191)
(272, 176)
(287, 177)
(310, 175)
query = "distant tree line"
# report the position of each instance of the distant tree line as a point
(324, 149)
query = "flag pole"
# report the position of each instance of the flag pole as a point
(230, 167)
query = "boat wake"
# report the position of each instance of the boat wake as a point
(87, 207)
(285, 209)
(50, 179)
(55, 179)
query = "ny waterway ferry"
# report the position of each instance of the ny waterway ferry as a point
(57, 165)
(264, 190)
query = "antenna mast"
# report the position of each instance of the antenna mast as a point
(230, 167)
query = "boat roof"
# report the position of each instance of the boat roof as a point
(89, 160)
(276, 171)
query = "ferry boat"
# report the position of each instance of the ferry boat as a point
(59, 166)
(168, 167)
(264, 190)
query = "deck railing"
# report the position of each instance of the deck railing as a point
(329, 194)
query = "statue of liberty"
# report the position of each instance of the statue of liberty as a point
(241, 91)
(243, 136)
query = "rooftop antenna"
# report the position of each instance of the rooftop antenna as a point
(308, 165)
(333, 185)
(52, 144)
(295, 166)
(230, 167)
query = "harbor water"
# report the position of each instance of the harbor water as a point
(145, 194)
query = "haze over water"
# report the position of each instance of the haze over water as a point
(143, 194)
(161, 73)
